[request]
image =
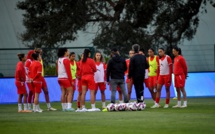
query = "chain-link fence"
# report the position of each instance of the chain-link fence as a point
(9, 59)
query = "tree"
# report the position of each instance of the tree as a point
(121, 23)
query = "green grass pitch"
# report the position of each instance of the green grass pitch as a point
(197, 118)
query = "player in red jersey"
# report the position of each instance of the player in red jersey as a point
(129, 82)
(29, 84)
(88, 68)
(165, 76)
(73, 67)
(180, 73)
(20, 78)
(44, 85)
(35, 77)
(65, 79)
(99, 76)
(78, 75)
(153, 72)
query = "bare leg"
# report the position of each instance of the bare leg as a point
(129, 87)
(184, 94)
(46, 93)
(92, 96)
(83, 95)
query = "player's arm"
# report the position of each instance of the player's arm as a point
(66, 63)
(170, 67)
(184, 66)
(105, 66)
(93, 66)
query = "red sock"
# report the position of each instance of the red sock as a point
(157, 100)
(167, 101)
(79, 105)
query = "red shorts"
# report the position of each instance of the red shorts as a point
(30, 86)
(79, 85)
(152, 81)
(164, 80)
(88, 80)
(37, 85)
(65, 83)
(21, 89)
(179, 81)
(146, 83)
(44, 85)
(101, 86)
(74, 86)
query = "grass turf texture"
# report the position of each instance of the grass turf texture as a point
(197, 118)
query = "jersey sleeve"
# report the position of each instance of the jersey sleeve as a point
(66, 63)
(169, 60)
(184, 65)
(93, 65)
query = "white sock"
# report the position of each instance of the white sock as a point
(185, 103)
(103, 104)
(29, 105)
(34, 107)
(179, 103)
(83, 106)
(25, 106)
(120, 101)
(48, 105)
(37, 107)
(93, 106)
(62, 104)
(69, 105)
(19, 106)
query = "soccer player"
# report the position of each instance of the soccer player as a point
(153, 72)
(180, 72)
(164, 78)
(44, 85)
(115, 69)
(99, 76)
(29, 84)
(20, 78)
(73, 67)
(65, 79)
(78, 75)
(129, 82)
(35, 76)
(88, 68)
(138, 65)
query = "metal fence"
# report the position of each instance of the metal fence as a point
(200, 58)
(9, 59)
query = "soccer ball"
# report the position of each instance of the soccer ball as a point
(111, 107)
(141, 106)
(120, 107)
(132, 107)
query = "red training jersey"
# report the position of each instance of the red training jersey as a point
(35, 71)
(127, 64)
(180, 66)
(88, 67)
(20, 72)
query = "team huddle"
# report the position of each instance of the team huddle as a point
(93, 75)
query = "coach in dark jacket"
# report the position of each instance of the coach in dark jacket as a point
(115, 70)
(138, 64)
